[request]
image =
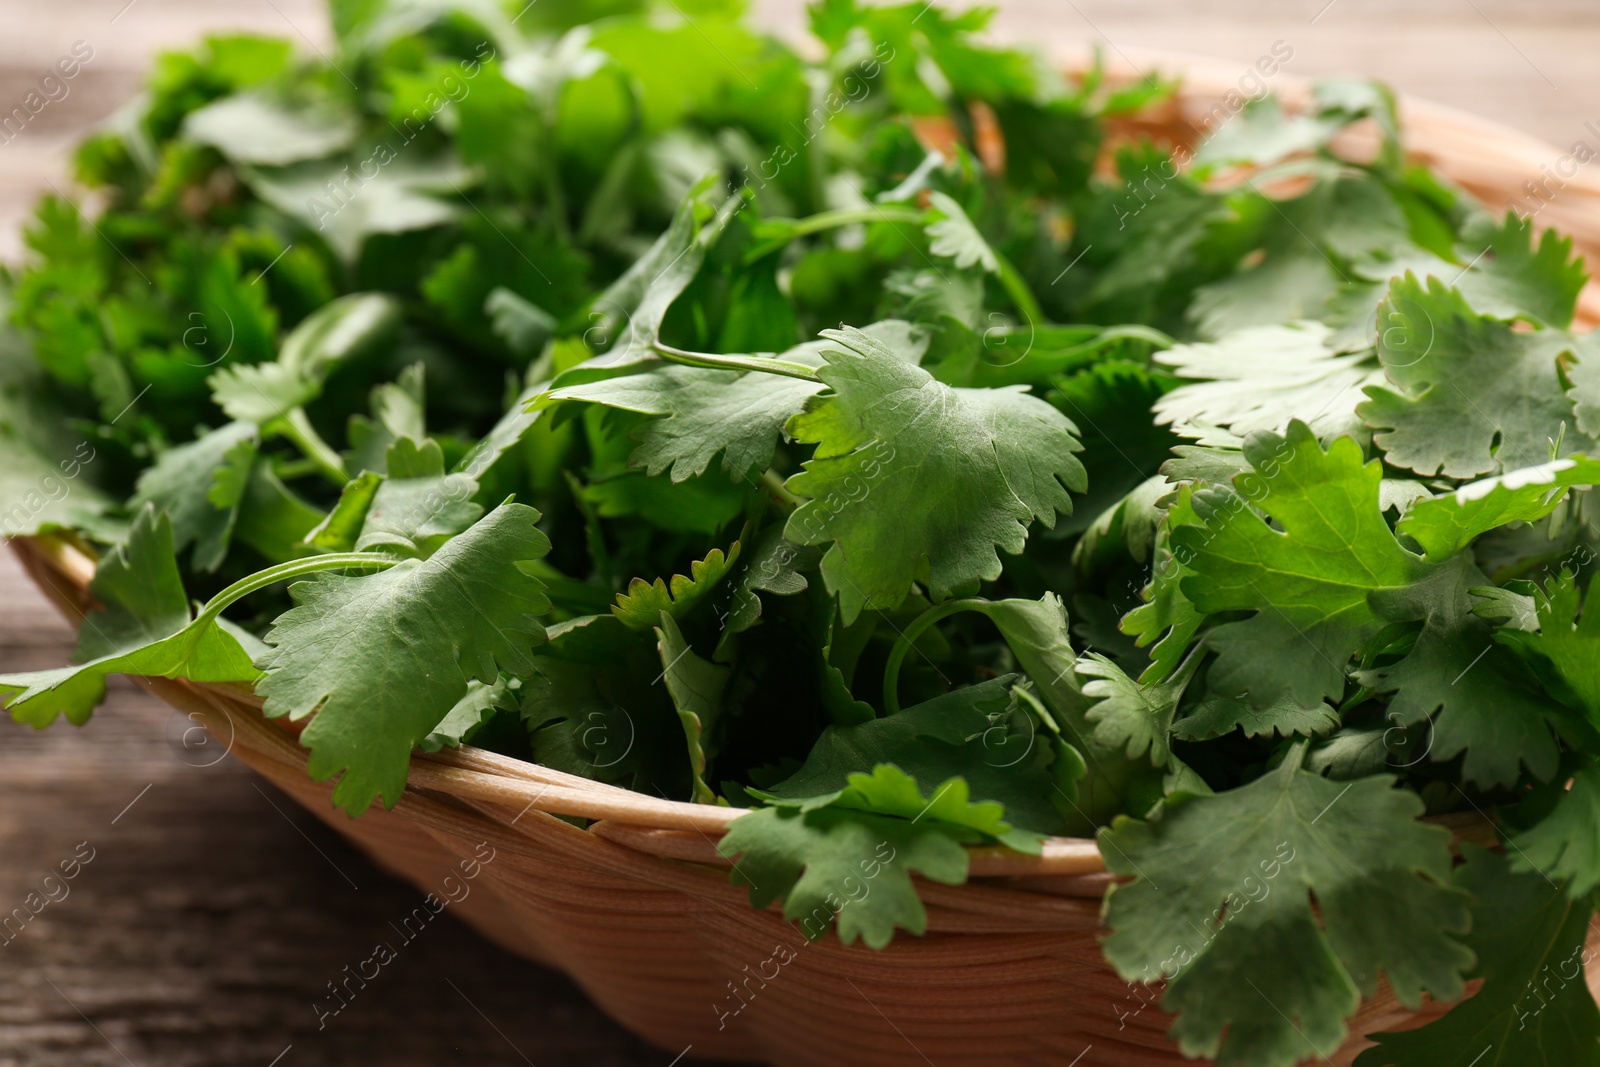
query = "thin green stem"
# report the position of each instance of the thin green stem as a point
(293, 569)
(852, 216)
(908, 638)
(297, 428)
(779, 492)
(737, 363)
(1022, 297)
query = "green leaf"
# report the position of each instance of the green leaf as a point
(1166, 619)
(951, 235)
(976, 734)
(696, 687)
(1093, 774)
(525, 327)
(181, 483)
(1445, 524)
(347, 330)
(1261, 378)
(892, 445)
(251, 129)
(382, 659)
(1534, 1006)
(145, 630)
(1222, 907)
(843, 865)
(1470, 395)
(1129, 717)
(141, 591)
(477, 707)
(404, 192)
(1481, 703)
(642, 606)
(712, 412)
(1564, 846)
(1518, 273)
(629, 313)
(1308, 577)
(1261, 133)
(417, 507)
(1217, 715)
(595, 707)
(1566, 642)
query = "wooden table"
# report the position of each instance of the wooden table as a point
(213, 911)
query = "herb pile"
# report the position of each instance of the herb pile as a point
(878, 443)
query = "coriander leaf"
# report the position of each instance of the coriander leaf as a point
(1217, 715)
(144, 633)
(817, 862)
(503, 436)
(1261, 377)
(337, 532)
(894, 448)
(952, 235)
(711, 412)
(1481, 703)
(181, 482)
(1518, 273)
(1262, 133)
(381, 659)
(1307, 578)
(1526, 933)
(1564, 846)
(1166, 618)
(474, 709)
(696, 687)
(1469, 394)
(1445, 524)
(976, 734)
(406, 193)
(251, 129)
(642, 606)
(343, 331)
(65, 693)
(1092, 772)
(1136, 719)
(417, 507)
(1583, 383)
(630, 311)
(273, 520)
(42, 480)
(593, 707)
(1566, 642)
(141, 590)
(1265, 981)
(773, 566)
(524, 326)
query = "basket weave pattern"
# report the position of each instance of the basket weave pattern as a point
(638, 909)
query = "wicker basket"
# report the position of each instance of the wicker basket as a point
(638, 909)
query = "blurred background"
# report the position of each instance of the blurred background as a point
(1528, 63)
(213, 911)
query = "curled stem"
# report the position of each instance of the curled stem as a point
(908, 638)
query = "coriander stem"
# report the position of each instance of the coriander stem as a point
(736, 363)
(1022, 297)
(298, 428)
(832, 220)
(908, 637)
(292, 569)
(779, 492)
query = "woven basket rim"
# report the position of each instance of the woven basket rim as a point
(1448, 139)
